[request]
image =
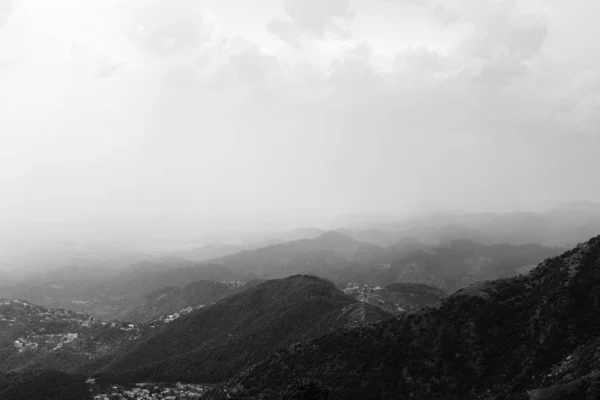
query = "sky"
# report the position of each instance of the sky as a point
(158, 115)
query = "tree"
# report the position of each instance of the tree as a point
(305, 389)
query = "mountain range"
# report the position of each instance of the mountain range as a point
(334, 255)
(535, 335)
(341, 258)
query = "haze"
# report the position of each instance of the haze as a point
(161, 116)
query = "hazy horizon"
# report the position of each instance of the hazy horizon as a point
(130, 117)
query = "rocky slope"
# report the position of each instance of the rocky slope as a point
(534, 336)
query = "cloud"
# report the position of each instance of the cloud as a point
(155, 112)
(286, 31)
(353, 75)
(317, 18)
(438, 10)
(161, 27)
(444, 15)
(503, 37)
(419, 61)
(6, 8)
(517, 33)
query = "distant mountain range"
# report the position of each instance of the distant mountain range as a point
(564, 225)
(326, 255)
(457, 264)
(334, 255)
(341, 258)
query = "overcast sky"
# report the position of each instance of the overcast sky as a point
(169, 114)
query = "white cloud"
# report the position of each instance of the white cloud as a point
(317, 18)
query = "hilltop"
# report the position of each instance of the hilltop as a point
(215, 342)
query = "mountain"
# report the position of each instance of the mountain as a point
(456, 264)
(326, 255)
(534, 336)
(405, 246)
(215, 342)
(297, 234)
(379, 237)
(173, 299)
(208, 252)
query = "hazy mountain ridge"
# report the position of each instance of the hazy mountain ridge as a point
(339, 257)
(490, 340)
(88, 285)
(456, 264)
(332, 249)
(562, 226)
